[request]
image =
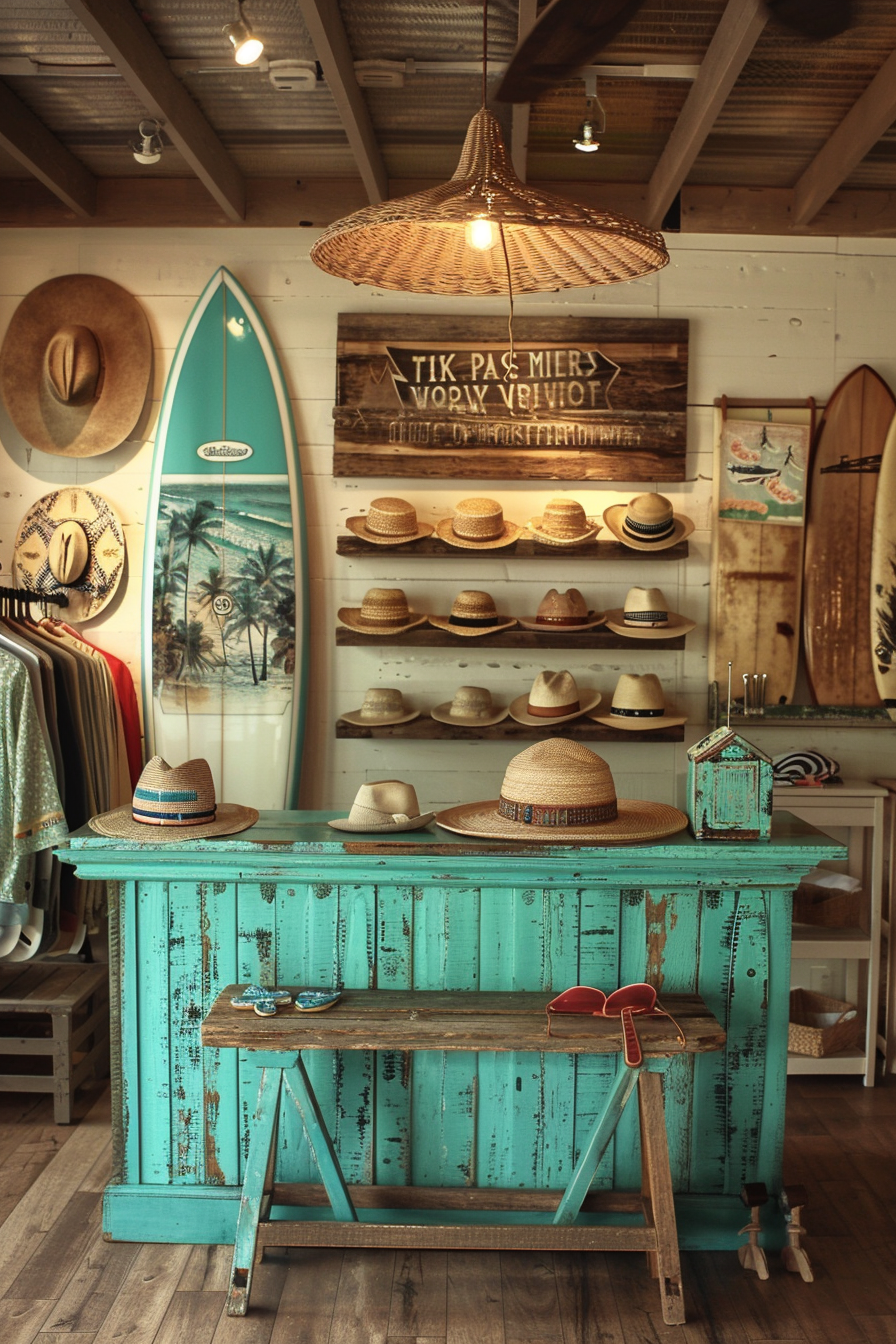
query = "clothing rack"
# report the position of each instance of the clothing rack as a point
(24, 597)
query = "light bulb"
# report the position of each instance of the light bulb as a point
(586, 143)
(481, 234)
(246, 47)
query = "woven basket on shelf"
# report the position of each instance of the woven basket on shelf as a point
(820, 1025)
(829, 907)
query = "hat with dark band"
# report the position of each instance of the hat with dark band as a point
(473, 613)
(639, 705)
(647, 523)
(174, 803)
(646, 616)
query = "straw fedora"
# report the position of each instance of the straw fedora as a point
(381, 705)
(389, 522)
(646, 616)
(471, 707)
(75, 365)
(563, 523)
(639, 705)
(647, 523)
(71, 544)
(560, 792)
(174, 803)
(387, 805)
(563, 611)
(554, 698)
(478, 524)
(383, 611)
(473, 613)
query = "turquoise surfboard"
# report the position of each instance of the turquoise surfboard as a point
(225, 588)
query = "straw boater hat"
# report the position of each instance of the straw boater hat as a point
(472, 707)
(75, 365)
(560, 792)
(389, 522)
(567, 612)
(563, 523)
(382, 705)
(71, 544)
(646, 616)
(473, 613)
(638, 705)
(172, 804)
(387, 805)
(383, 611)
(478, 524)
(554, 698)
(647, 523)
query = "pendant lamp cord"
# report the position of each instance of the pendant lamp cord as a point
(484, 48)
(509, 370)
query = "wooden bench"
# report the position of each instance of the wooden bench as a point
(455, 1020)
(60, 1011)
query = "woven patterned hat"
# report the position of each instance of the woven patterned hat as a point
(646, 616)
(386, 805)
(560, 792)
(383, 611)
(639, 705)
(567, 612)
(472, 707)
(563, 523)
(478, 524)
(647, 523)
(473, 613)
(381, 705)
(389, 522)
(554, 698)
(71, 544)
(174, 803)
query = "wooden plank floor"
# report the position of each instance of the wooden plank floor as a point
(65, 1285)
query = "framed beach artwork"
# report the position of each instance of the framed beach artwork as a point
(763, 471)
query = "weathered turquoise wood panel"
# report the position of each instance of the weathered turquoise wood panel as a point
(153, 1041)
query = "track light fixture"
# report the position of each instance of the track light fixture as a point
(246, 47)
(148, 148)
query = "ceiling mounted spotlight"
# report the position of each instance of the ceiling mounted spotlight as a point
(148, 148)
(585, 139)
(246, 47)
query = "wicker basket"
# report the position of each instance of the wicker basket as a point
(820, 1025)
(829, 907)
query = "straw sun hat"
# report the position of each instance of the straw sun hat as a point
(472, 707)
(646, 615)
(647, 523)
(639, 705)
(554, 698)
(381, 705)
(71, 543)
(563, 523)
(473, 613)
(172, 804)
(389, 522)
(567, 612)
(383, 611)
(560, 792)
(478, 524)
(386, 805)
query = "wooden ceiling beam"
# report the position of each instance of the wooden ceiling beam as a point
(861, 128)
(38, 151)
(328, 36)
(731, 45)
(117, 27)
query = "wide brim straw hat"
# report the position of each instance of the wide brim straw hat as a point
(563, 613)
(482, 524)
(636, 699)
(563, 523)
(656, 506)
(93, 551)
(559, 687)
(383, 611)
(376, 711)
(476, 607)
(452, 711)
(382, 807)
(75, 365)
(389, 522)
(552, 782)
(161, 788)
(636, 603)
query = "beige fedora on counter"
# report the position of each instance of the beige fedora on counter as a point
(639, 705)
(554, 698)
(382, 705)
(646, 616)
(567, 612)
(560, 792)
(563, 523)
(383, 611)
(478, 525)
(75, 365)
(473, 613)
(173, 804)
(472, 707)
(389, 522)
(71, 544)
(386, 805)
(647, 523)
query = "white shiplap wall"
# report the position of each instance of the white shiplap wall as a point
(769, 317)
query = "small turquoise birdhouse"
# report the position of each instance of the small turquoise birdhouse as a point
(729, 788)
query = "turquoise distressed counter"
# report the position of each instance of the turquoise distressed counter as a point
(293, 902)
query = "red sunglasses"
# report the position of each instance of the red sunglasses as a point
(624, 1003)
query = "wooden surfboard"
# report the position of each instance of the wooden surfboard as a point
(843, 486)
(883, 577)
(225, 591)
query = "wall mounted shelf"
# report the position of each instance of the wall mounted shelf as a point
(526, 548)
(797, 716)
(427, 729)
(427, 637)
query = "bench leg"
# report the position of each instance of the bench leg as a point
(595, 1146)
(62, 1068)
(298, 1085)
(656, 1187)
(256, 1185)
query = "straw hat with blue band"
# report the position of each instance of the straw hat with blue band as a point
(174, 803)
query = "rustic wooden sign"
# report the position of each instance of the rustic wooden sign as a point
(572, 399)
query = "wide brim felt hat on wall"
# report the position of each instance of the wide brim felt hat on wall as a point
(560, 792)
(389, 522)
(647, 523)
(384, 806)
(70, 544)
(172, 804)
(75, 365)
(478, 525)
(645, 615)
(554, 698)
(638, 705)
